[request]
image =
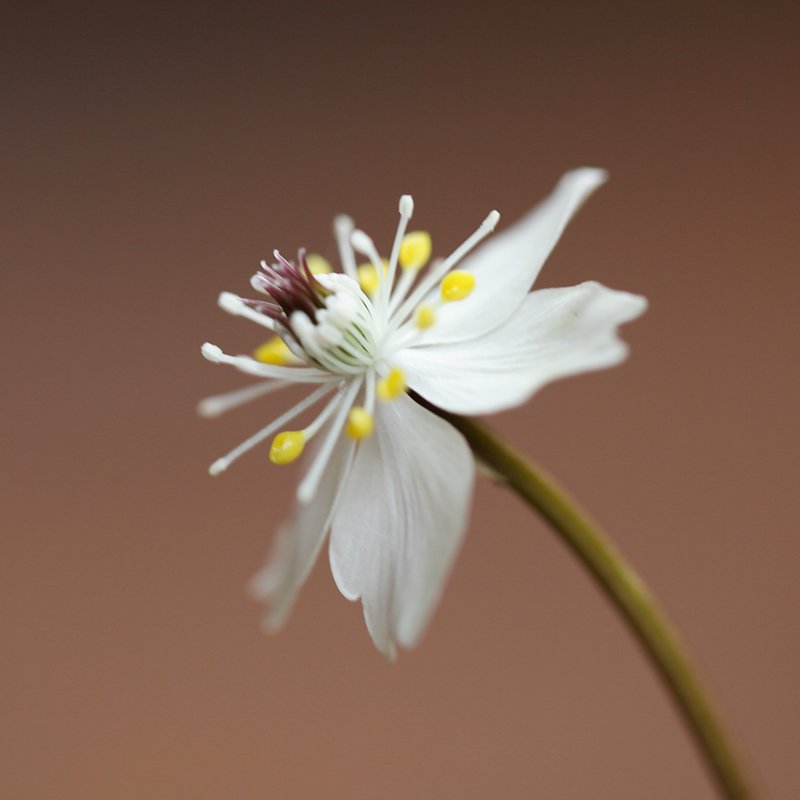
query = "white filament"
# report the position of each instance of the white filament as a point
(342, 228)
(308, 486)
(363, 244)
(235, 305)
(311, 430)
(406, 208)
(220, 403)
(252, 367)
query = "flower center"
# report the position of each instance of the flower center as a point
(323, 317)
(344, 334)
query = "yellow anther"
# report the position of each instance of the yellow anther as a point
(319, 265)
(393, 385)
(415, 250)
(286, 447)
(425, 317)
(457, 286)
(360, 423)
(274, 351)
(368, 276)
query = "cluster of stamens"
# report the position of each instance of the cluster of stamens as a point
(339, 330)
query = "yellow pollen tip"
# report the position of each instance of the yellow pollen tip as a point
(360, 423)
(274, 351)
(415, 250)
(286, 447)
(425, 317)
(319, 265)
(458, 285)
(393, 385)
(368, 276)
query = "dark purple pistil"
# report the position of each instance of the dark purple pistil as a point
(289, 289)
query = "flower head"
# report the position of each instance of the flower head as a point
(391, 480)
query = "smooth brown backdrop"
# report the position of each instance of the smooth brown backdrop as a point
(151, 155)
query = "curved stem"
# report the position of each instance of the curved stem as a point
(626, 591)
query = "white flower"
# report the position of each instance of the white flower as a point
(390, 479)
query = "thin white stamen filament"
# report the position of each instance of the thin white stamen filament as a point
(220, 403)
(311, 430)
(342, 228)
(252, 367)
(234, 305)
(406, 209)
(308, 486)
(221, 464)
(405, 283)
(436, 274)
(364, 245)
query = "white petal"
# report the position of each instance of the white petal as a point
(555, 333)
(507, 264)
(298, 541)
(401, 519)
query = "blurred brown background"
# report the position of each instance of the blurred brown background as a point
(151, 155)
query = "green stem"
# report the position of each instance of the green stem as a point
(626, 591)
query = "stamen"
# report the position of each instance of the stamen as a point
(393, 385)
(439, 271)
(308, 486)
(407, 278)
(363, 244)
(425, 317)
(360, 423)
(234, 304)
(286, 447)
(275, 351)
(457, 285)
(368, 278)
(211, 352)
(415, 250)
(342, 228)
(221, 464)
(406, 206)
(313, 429)
(406, 209)
(319, 265)
(251, 367)
(219, 404)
